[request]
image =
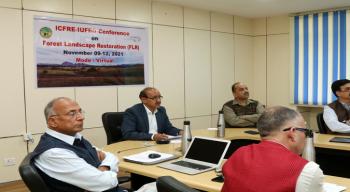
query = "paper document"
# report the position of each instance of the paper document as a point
(330, 187)
(143, 157)
(170, 137)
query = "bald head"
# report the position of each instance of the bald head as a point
(49, 109)
(275, 118)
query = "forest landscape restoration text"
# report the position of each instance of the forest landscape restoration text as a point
(89, 45)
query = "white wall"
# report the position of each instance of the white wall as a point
(195, 57)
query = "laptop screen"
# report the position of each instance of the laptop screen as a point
(206, 150)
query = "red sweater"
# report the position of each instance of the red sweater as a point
(266, 167)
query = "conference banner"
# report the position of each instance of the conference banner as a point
(73, 53)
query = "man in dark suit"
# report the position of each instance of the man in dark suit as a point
(148, 120)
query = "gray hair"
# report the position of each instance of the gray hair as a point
(274, 118)
(48, 111)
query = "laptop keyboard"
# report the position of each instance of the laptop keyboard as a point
(191, 165)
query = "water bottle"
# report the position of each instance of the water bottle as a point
(221, 125)
(186, 137)
(309, 149)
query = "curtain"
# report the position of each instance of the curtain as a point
(321, 51)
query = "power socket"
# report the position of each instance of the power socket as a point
(28, 137)
(10, 161)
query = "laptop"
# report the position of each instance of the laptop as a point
(202, 155)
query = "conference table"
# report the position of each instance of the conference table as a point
(203, 181)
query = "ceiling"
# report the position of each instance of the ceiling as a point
(260, 8)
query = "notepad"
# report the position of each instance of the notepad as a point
(171, 137)
(330, 187)
(142, 158)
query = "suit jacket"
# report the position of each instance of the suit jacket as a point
(135, 124)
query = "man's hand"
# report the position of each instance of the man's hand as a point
(101, 155)
(347, 122)
(160, 136)
(103, 168)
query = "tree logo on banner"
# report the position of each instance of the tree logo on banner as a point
(45, 32)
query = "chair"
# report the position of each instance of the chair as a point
(33, 180)
(170, 184)
(31, 177)
(112, 122)
(322, 127)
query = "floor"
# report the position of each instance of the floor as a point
(14, 186)
(19, 186)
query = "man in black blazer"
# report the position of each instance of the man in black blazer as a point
(148, 120)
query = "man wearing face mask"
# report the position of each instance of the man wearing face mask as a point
(241, 111)
(337, 114)
(148, 120)
(274, 164)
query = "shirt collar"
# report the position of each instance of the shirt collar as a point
(149, 112)
(63, 137)
(347, 106)
(274, 141)
(235, 102)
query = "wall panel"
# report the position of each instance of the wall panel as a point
(55, 6)
(221, 22)
(244, 60)
(243, 25)
(195, 18)
(167, 14)
(278, 24)
(168, 58)
(11, 78)
(197, 72)
(13, 147)
(134, 10)
(37, 98)
(11, 3)
(201, 122)
(278, 74)
(101, 8)
(259, 69)
(96, 136)
(223, 71)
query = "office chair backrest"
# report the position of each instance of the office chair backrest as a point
(31, 177)
(322, 127)
(170, 184)
(112, 122)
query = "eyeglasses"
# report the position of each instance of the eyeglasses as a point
(305, 130)
(72, 114)
(155, 98)
(345, 89)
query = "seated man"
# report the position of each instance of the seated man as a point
(65, 160)
(337, 114)
(274, 164)
(148, 120)
(241, 111)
